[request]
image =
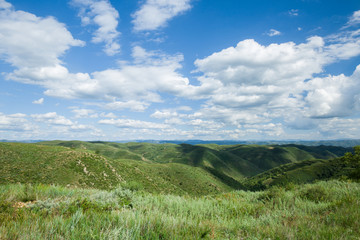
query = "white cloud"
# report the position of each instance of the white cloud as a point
(184, 108)
(344, 45)
(4, 4)
(84, 113)
(39, 101)
(130, 123)
(232, 116)
(294, 12)
(52, 118)
(154, 14)
(105, 16)
(164, 114)
(340, 128)
(132, 84)
(273, 33)
(354, 19)
(250, 63)
(136, 106)
(257, 84)
(34, 45)
(108, 115)
(36, 58)
(200, 123)
(14, 122)
(60, 124)
(334, 96)
(44, 126)
(27, 41)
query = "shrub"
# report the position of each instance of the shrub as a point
(272, 194)
(315, 193)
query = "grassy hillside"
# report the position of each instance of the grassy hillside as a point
(325, 210)
(32, 163)
(346, 167)
(161, 168)
(230, 163)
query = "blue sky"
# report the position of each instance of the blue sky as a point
(179, 69)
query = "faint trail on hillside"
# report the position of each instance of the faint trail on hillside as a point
(144, 158)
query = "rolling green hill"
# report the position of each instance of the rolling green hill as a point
(346, 167)
(168, 168)
(32, 163)
(229, 163)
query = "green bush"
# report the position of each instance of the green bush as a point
(132, 185)
(272, 193)
(315, 193)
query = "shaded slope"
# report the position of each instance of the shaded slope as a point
(308, 171)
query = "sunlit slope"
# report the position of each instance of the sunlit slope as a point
(32, 163)
(29, 163)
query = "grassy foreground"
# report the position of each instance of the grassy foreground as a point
(323, 210)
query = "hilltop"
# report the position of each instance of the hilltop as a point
(33, 163)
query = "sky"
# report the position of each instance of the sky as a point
(116, 70)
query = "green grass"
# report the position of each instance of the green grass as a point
(307, 171)
(324, 210)
(80, 167)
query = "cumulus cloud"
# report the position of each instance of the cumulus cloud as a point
(245, 90)
(154, 14)
(273, 33)
(34, 45)
(251, 63)
(84, 113)
(37, 61)
(14, 122)
(4, 4)
(136, 106)
(105, 16)
(28, 41)
(340, 128)
(39, 101)
(333, 96)
(257, 84)
(132, 84)
(251, 74)
(52, 118)
(58, 123)
(130, 123)
(108, 115)
(164, 114)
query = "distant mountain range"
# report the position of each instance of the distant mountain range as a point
(338, 142)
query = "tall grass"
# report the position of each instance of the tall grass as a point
(324, 210)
